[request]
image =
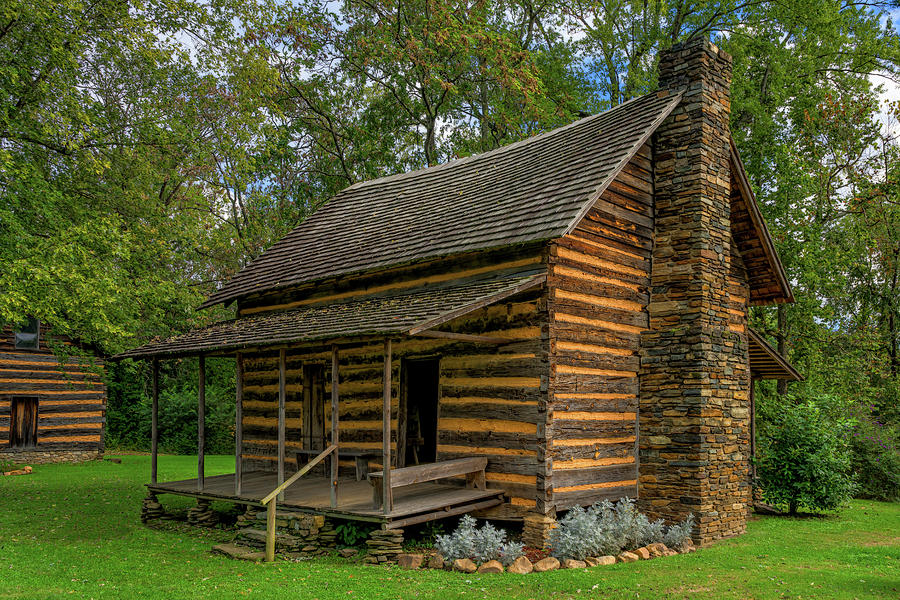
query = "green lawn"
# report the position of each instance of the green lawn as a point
(73, 531)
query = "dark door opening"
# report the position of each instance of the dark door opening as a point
(419, 395)
(313, 428)
(313, 431)
(23, 426)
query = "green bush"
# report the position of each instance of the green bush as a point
(804, 460)
(876, 455)
(129, 407)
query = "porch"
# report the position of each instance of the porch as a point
(412, 504)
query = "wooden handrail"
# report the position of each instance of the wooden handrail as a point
(270, 501)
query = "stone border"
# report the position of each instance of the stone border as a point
(523, 565)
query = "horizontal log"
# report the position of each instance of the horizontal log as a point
(566, 500)
(10, 386)
(600, 384)
(488, 439)
(531, 394)
(577, 311)
(586, 363)
(565, 432)
(45, 446)
(595, 477)
(486, 425)
(33, 357)
(523, 465)
(512, 411)
(591, 453)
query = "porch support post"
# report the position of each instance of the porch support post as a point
(387, 499)
(154, 420)
(238, 421)
(201, 425)
(282, 359)
(334, 425)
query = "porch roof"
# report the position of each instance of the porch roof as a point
(767, 363)
(409, 313)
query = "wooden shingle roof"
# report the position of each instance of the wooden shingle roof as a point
(535, 189)
(410, 312)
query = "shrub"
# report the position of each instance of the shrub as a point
(875, 455)
(510, 551)
(804, 461)
(480, 545)
(608, 528)
(678, 535)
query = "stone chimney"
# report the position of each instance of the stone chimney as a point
(695, 376)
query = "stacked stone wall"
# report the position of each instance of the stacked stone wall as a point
(694, 378)
(41, 457)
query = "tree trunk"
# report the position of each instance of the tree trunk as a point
(430, 144)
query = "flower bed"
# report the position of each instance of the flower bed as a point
(603, 534)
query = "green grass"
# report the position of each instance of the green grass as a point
(74, 531)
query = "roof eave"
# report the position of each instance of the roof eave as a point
(775, 356)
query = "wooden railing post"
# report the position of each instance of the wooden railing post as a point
(270, 501)
(270, 530)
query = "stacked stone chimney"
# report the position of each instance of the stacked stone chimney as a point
(695, 377)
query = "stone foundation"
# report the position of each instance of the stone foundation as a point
(295, 533)
(384, 546)
(151, 509)
(43, 457)
(536, 530)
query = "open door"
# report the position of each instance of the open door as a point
(23, 426)
(418, 419)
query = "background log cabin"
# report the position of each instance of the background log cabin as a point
(573, 307)
(52, 409)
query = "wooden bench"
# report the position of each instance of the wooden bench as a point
(472, 468)
(362, 459)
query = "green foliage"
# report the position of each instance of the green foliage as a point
(875, 458)
(128, 421)
(352, 533)
(804, 460)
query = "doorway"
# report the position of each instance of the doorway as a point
(23, 426)
(418, 419)
(313, 425)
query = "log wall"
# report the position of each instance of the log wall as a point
(492, 397)
(71, 398)
(598, 279)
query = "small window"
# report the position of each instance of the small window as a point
(28, 336)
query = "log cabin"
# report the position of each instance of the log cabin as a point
(52, 406)
(549, 324)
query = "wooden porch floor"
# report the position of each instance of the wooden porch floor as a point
(412, 504)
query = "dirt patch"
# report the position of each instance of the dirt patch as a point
(894, 541)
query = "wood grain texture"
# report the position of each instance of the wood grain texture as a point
(598, 280)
